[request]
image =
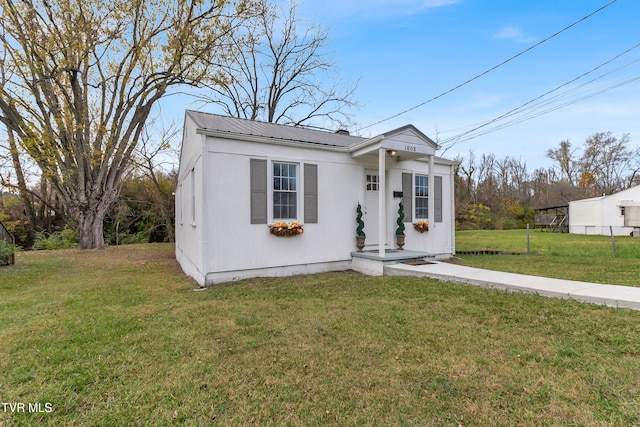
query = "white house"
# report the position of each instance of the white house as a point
(237, 178)
(596, 215)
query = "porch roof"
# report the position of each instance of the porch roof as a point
(404, 143)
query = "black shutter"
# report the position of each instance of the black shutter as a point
(437, 194)
(310, 194)
(407, 196)
(258, 177)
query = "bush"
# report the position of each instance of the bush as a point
(128, 239)
(65, 239)
(6, 251)
(510, 224)
(69, 237)
(475, 217)
(19, 229)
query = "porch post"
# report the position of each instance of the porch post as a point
(431, 204)
(382, 205)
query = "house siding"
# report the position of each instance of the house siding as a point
(238, 244)
(189, 238)
(440, 238)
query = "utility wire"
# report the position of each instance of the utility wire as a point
(535, 113)
(531, 112)
(520, 109)
(492, 68)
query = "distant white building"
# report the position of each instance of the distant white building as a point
(239, 178)
(597, 214)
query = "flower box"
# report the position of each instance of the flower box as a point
(286, 229)
(421, 226)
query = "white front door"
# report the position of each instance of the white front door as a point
(370, 208)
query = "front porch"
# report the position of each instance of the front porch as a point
(370, 262)
(389, 167)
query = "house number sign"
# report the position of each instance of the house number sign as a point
(410, 148)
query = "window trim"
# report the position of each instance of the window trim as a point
(373, 184)
(193, 196)
(181, 207)
(416, 197)
(299, 186)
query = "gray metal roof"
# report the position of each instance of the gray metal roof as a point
(215, 122)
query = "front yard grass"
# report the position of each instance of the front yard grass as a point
(562, 256)
(118, 337)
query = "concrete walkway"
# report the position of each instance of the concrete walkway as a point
(593, 293)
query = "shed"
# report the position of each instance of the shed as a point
(554, 218)
(598, 215)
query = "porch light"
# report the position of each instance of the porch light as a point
(392, 153)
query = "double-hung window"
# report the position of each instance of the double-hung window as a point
(422, 197)
(285, 191)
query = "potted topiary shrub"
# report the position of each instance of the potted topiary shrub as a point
(400, 229)
(360, 236)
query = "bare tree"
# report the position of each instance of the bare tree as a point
(279, 72)
(517, 185)
(608, 164)
(487, 186)
(564, 156)
(157, 143)
(465, 169)
(82, 76)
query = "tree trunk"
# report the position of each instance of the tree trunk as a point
(89, 216)
(22, 186)
(166, 217)
(90, 230)
(171, 235)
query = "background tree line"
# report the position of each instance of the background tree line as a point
(143, 212)
(501, 193)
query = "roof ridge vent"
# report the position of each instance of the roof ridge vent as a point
(342, 132)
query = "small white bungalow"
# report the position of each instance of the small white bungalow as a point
(597, 214)
(238, 178)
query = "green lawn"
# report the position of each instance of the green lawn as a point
(564, 256)
(119, 338)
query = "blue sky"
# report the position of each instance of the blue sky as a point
(408, 51)
(405, 52)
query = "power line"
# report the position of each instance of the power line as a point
(492, 68)
(535, 113)
(520, 109)
(531, 111)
